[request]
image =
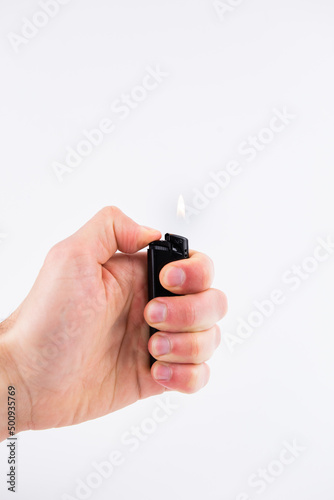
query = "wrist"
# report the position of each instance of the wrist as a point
(10, 378)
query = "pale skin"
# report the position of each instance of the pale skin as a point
(77, 348)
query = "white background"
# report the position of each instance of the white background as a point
(226, 75)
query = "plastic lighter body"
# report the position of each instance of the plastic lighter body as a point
(160, 253)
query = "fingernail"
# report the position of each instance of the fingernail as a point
(160, 345)
(157, 312)
(175, 276)
(162, 373)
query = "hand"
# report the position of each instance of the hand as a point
(77, 347)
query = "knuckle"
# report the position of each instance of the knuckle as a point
(195, 348)
(66, 251)
(208, 272)
(222, 303)
(58, 252)
(212, 265)
(206, 277)
(189, 313)
(109, 211)
(192, 382)
(217, 336)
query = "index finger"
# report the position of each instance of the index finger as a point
(191, 275)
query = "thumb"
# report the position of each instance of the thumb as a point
(110, 230)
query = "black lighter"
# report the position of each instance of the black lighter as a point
(160, 253)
